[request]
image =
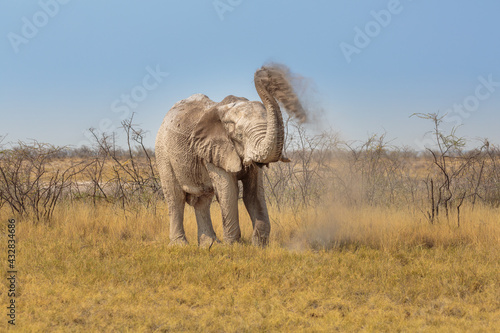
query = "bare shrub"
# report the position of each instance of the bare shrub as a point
(324, 168)
(301, 182)
(456, 175)
(31, 181)
(489, 189)
(134, 178)
(382, 174)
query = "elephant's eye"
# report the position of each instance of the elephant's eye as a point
(238, 137)
(230, 127)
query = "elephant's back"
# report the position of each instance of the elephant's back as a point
(181, 119)
(185, 114)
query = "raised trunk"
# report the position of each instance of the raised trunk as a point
(270, 147)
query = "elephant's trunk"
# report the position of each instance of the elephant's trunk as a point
(271, 83)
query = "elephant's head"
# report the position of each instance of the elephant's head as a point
(237, 132)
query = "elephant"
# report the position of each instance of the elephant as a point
(203, 148)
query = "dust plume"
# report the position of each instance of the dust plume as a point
(279, 82)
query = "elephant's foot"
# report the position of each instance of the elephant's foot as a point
(206, 242)
(232, 240)
(260, 236)
(232, 236)
(259, 239)
(178, 241)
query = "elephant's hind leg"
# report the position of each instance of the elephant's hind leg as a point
(176, 212)
(176, 200)
(206, 233)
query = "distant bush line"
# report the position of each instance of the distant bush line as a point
(35, 177)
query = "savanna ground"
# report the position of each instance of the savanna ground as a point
(367, 238)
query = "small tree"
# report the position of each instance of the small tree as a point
(134, 172)
(446, 187)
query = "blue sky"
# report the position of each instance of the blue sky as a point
(67, 66)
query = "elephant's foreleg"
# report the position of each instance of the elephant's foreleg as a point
(226, 189)
(206, 233)
(255, 203)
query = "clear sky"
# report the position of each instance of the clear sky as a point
(66, 66)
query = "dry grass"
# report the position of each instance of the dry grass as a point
(328, 268)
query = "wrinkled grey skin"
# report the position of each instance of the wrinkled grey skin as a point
(204, 148)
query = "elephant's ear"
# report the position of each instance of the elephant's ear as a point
(211, 142)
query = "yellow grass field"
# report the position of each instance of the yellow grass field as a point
(327, 269)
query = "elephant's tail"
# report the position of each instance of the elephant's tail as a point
(276, 79)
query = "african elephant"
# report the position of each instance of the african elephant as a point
(204, 148)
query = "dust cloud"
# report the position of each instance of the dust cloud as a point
(281, 83)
